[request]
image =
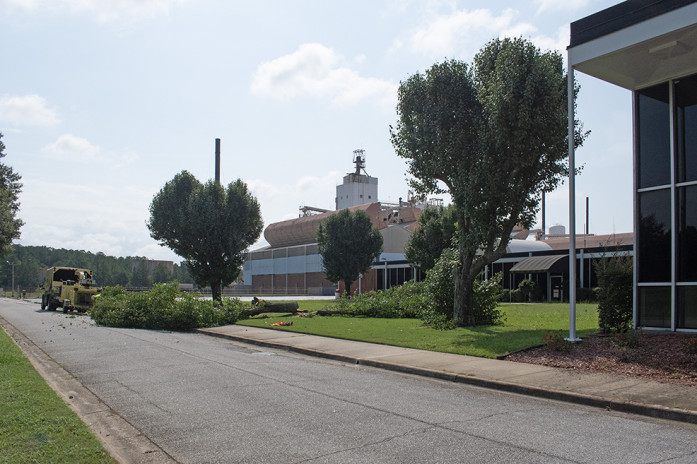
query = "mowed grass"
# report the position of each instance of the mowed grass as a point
(37, 426)
(525, 326)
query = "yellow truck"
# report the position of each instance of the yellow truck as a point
(68, 288)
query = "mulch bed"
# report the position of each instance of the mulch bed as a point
(659, 356)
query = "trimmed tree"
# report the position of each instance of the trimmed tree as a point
(10, 187)
(207, 225)
(349, 245)
(494, 136)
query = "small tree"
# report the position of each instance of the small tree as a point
(208, 225)
(436, 230)
(9, 204)
(349, 245)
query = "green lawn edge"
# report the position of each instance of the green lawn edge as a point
(36, 425)
(524, 326)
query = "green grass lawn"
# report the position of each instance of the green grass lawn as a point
(525, 325)
(35, 424)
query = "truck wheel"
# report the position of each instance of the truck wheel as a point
(51, 305)
(65, 308)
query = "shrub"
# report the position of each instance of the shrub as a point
(431, 300)
(511, 296)
(626, 338)
(162, 308)
(530, 290)
(487, 294)
(555, 342)
(615, 279)
(440, 292)
(398, 301)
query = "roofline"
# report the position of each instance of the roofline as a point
(620, 16)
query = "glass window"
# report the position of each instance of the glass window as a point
(654, 306)
(653, 135)
(654, 254)
(686, 256)
(686, 128)
(687, 307)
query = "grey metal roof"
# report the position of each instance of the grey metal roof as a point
(620, 16)
(554, 263)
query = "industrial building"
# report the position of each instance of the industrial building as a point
(291, 264)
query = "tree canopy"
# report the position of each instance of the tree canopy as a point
(31, 263)
(349, 245)
(494, 136)
(208, 225)
(10, 187)
(436, 230)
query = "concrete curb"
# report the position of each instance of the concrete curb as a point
(649, 410)
(123, 442)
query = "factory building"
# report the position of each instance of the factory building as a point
(291, 264)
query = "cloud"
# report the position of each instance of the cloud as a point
(462, 33)
(315, 70)
(102, 10)
(27, 110)
(72, 147)
(556, 5)
(558, 42)
(309, 184)
(89, 216)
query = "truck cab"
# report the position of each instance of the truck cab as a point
(68, 288)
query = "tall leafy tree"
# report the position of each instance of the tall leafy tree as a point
(493, 135)
(349, 245)
(436, 231)
(208, 225)
(10, 187)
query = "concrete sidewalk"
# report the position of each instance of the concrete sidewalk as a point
(619, 393)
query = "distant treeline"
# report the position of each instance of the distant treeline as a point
(31, 263)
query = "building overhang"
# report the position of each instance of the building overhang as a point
(556, 264)
(637, 43)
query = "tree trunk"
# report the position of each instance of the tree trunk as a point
(217, 291)
(347, 287)
(271, 308)
(463, 310)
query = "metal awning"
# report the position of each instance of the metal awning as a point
(556, 264)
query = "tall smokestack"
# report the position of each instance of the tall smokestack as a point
(217, 161)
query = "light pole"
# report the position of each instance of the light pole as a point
(13, 277)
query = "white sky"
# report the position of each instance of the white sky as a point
(103, 101)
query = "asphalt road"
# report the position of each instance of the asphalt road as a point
(203, 399)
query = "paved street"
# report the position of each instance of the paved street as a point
(205, 399)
